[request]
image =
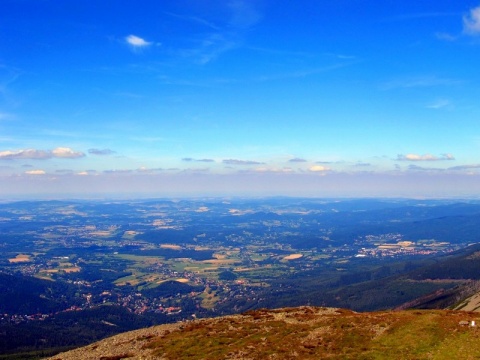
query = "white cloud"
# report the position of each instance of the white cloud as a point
(425, 157)
(471, 22)
(60, 152)
(416, 157)
(87, 173)
(35, 172)
(25, 154)
(318, 168)
(63, 152)
(137, 42)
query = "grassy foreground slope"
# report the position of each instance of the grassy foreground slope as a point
(300, 333)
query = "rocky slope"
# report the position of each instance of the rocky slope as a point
(471, 303)
(299, 333)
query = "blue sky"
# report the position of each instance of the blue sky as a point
(297, 98)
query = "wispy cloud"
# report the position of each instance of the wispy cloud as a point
(244, 15)
(471, 22)
(196, 170)
(146, 170)
(210, 47)
(5, 116)
(440, 104)
(298, 74)
(297, 160)
(344, 57)
(284, 170)
(64, 171)
(8, 75)
(445, 36)
(425, 157)
(421, 168)
(101, 151)
(329, 162)
(118, 171)
(306, 72)
(419, 82)
(421, 16)
(198, 160)
(60, 152)
(194, 19)
(228, 35)
(465, 167)
(241, 162)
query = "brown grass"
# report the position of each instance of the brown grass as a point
(310, 333)
(302, 333)
(116, 357)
